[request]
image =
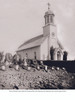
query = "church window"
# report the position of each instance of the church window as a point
(26, 55)
(51, 19)
(47, 19)
(34, 55)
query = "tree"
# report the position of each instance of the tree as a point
(65, 55)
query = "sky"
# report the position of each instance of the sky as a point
(21, 20)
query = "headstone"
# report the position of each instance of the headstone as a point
(41, 62)
(57, 68)
(17, 67)
(63, 68)
(3, 68)
(52, 68)
(46, 67)
(72, 77)
(25, 61)
(7, 63)
(29, 68)
(8, 57)
(38, 67)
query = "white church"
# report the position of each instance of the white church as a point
(45, 46)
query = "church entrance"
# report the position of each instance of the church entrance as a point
(58, 55)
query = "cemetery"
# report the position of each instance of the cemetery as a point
(16, 73)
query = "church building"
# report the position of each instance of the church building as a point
(45, 46)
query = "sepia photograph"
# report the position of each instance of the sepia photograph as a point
(37, 44)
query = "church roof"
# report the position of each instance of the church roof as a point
(59, 43)
(34, 42)
(49, 12)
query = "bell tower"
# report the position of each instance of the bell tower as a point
(49, 30)
(49, 22)
(49, 16)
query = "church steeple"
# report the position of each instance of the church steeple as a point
(49, 27)
(48, 6)
(49, 16)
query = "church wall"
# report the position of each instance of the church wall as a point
(46, 30)
(53, 36)
(20, 53)
(44, 50)
(30, 52)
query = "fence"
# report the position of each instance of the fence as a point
(68, 65)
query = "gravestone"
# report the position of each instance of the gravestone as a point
(3, 68)
(53, 68)
(57, 68)
(29, 68)
(38, 67)
(46, 68)
(17, 67)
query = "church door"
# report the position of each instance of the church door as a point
(58, 55)
(52, 53)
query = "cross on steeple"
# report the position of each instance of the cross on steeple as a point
(48, 6)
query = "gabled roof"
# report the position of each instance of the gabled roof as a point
(59, 43)
(34, 42)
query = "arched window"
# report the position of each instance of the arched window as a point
(47, 19)
(51, 19)
(26, 55)
(34, 55)
(58, 55)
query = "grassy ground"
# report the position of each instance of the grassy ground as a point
(36, 79)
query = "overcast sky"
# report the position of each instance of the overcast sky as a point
(24, 19)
